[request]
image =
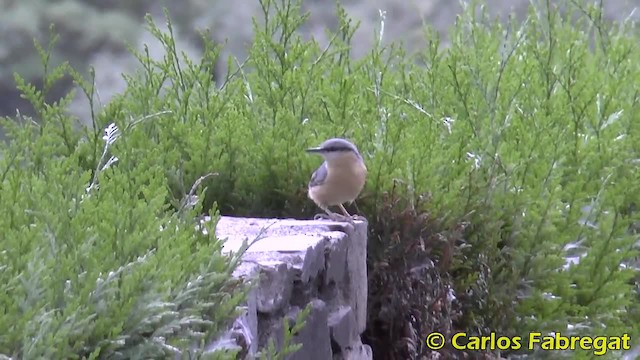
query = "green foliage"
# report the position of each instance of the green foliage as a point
(524, 135)
(515, 146)
(95, 264)
(514, 134)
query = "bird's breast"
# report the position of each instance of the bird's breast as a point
(343, 183)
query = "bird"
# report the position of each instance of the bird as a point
(339, 179)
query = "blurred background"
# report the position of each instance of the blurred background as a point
(97, 33)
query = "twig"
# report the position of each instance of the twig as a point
(195, 186)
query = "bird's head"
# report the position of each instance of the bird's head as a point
(335, 148)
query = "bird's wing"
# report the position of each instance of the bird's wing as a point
(318, 176)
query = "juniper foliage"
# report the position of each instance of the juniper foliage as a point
(518, 142)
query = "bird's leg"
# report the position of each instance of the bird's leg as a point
(344, 211)
(353, 217)
(347, 216)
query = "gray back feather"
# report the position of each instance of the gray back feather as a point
(318, 176)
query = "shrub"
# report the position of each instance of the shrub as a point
(520, 136)
(490, 162)
(95, 264)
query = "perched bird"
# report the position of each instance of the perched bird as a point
(339, 179)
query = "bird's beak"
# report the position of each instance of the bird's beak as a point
(315, 150)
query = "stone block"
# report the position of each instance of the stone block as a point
(274, 289)
(356, 351)
(357, 270)
(314, 337)
(343, 327)
(336, 258)
(293, 262)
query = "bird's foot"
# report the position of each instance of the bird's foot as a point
(322, 216)
(333, 217)
(359, 218)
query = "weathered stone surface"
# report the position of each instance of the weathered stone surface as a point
(343, 327)
(357, 351)
(314, 337)
(240, 337)
(336, 259)
(279, 239)
(275, 286)
(295, 263)
(244, 332)
(357, 269)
